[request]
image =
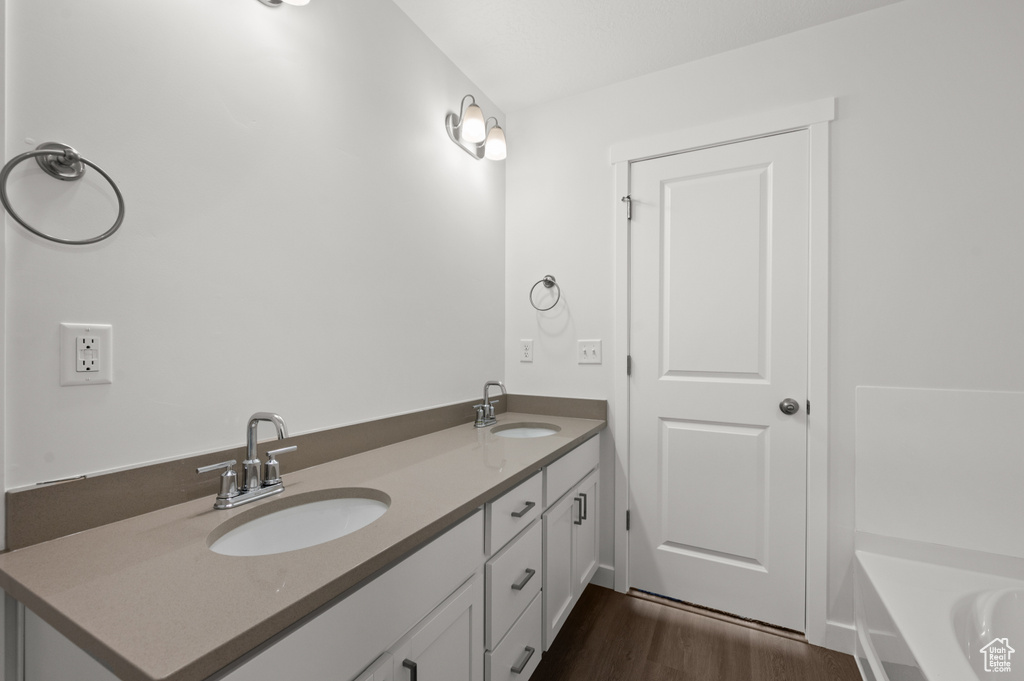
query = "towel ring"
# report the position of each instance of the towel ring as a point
(548, 282)
(64, 163)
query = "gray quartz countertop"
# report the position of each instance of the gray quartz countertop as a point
(148, 599)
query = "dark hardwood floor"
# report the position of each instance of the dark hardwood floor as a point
(618, 637)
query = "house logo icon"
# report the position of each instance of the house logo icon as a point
(997, 655)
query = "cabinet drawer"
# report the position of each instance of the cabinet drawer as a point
(515, 648)
(509, 569)
(562, 475)
(511, 513)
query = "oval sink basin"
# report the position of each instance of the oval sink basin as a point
(299, 522)
(525, 430)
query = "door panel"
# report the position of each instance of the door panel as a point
(558, 559)
(447, 645)
(718, 337)
(585, 535)
(714, 260)
(714, 491)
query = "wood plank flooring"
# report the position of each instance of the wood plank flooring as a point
(617, 637)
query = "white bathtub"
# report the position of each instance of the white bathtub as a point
(921, 621)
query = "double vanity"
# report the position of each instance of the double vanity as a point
(453, 555)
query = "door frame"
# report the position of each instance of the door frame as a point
(814, 117)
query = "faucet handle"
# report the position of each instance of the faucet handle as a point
(272, 469)
(228, 480)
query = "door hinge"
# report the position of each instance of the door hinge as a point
(627, 521)
(808, 407)
(629, 206)
(629, 365)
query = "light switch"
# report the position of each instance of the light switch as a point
(588, 352)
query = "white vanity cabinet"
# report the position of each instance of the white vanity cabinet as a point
(570, 534)
(480, 602)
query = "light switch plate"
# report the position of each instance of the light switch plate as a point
(588, 352)
(86, 354)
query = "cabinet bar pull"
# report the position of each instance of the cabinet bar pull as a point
(526, 509)
(518, 586)
(411, 666)
(584, 516)
(580, 514)
(524, 660)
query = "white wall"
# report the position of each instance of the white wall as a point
(919, 449)
(926, 235)
(301, 236)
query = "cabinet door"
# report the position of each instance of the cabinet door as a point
(382, 669)
(49, 656)
(448, 645)
(558, 573)
(585, 537)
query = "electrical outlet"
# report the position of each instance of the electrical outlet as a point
(525, 350)
(86, 354)
(588, 352)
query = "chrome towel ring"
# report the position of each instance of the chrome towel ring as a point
(64, 163)
(548, 282)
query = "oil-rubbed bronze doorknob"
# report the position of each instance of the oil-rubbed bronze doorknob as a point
(789, 406)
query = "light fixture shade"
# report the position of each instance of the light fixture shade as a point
(494, 148)
(473, 128)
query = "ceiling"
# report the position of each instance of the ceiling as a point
(525, 52)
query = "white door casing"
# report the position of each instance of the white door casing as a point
(718, 337)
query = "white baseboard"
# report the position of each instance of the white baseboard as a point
(605, 576)
(840, 637)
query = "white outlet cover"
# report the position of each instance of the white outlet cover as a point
(69, 335)
(588, 352)
(526, 350)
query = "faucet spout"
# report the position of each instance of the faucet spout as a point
(485, 410)
(251, 479)
(497, 384)
(254, 422)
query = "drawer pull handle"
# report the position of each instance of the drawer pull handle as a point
(524, 660)
(526, 509)
(580, 514)
(518, 586)
(584, 515)
(411, 666)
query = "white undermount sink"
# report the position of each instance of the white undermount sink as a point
(522, 430)
(299, 522)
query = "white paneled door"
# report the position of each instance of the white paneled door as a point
(718, 340)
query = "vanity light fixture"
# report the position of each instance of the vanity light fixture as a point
(278, 3)
(469, 130)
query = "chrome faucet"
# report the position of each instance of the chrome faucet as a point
(485, 412)
(258, 480)
(251, 467)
